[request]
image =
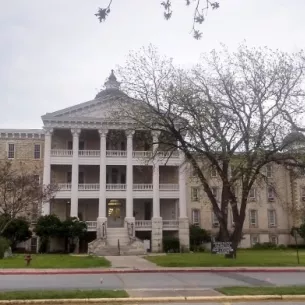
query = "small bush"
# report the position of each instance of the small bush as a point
(293, 246)
(171, 244)
(196, 248)
(4, 245)
(264, 246)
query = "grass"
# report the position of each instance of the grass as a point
(54, 261)
(245, 258)
(289, 290)
(62, 294)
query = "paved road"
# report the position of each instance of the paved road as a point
(150, 282)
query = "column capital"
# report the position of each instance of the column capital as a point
(48, 131)
(129, 133)
(75, 131)
(103, 132)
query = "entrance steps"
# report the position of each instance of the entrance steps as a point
(111, 247)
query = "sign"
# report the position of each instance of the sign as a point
(221, 247)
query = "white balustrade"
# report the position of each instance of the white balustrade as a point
(115, 187)
(170, 224)
(61, 152)
(168, 154)
(142, 154)
(143, 187)
(88, 187)
(64, 186)
(169, 187)
(116, 153)
(143, 224)
(91, 225)
(89, 153)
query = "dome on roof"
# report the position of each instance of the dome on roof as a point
(294, 138)
(112, 87)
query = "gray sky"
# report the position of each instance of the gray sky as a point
(54, 53)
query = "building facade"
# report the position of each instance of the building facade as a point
(108, 178)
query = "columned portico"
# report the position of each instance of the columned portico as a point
(74, 186)
(47, 166)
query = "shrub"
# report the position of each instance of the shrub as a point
(293, 246)
(198, 236)
(264, 246)
(171, 244)
(4, 245)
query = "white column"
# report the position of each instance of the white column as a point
(129, 176)
(102, 196)
(47, 166)
(182, 187)
(74, 187)
(156, 174)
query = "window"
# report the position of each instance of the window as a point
(271, 194)
(213, 172)
(252, 194)
(269, 171)
(11, 151)
(254, 240)
(196, 217)
(215, 222)
(253, 218)
(195, 193)
(37, 151)
(303, 193)
(273, 239)
(272, 218)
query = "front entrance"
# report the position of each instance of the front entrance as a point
(115, 214)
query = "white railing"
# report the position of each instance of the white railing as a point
(116, 153)
(170, 224)
(142, 154)
(142, 187)
(91, 225)
(168, 154)
(89, 153)
(88, 187)
(115, 187)
(61, 152)
(169, 187)
(143, 223)
(64, 186)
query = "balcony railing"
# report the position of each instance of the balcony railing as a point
(115, 187)
(91, 225)
(142, 154)
(143, 224)
(116, 153)
(89, 153)
(169, 187)
(88, 187)
(64, 186)
(170, 224)
(142, 187)
(168, 154)
(61, 152)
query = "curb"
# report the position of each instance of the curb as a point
(216, 299)
(167, 270)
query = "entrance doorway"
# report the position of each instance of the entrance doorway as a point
(115, 214)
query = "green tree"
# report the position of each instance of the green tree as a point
(198, 236)
(47, 226)
(73, 229)
(17, 231)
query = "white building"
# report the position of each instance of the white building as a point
(107, 177)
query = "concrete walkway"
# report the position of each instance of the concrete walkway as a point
(130, 262)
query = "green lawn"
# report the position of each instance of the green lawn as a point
(271, 258)
(62, 294)
(290, 290)
(54, 261)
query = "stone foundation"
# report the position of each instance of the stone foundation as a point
(156, 234)
(184, 233)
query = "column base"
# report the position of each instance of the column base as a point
(184, 234)
(130, 219)
(101, 227)
(156, 234)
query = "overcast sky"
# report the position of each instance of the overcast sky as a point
(54, 53)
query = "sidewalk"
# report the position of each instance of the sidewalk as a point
(31, 271)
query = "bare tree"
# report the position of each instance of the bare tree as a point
(226, 115)
(21, 193)
(200, 9)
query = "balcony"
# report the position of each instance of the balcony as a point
(143, 225)
(168, 154)
(61, 153)
(64, 186)
(89, 153)
(143, 187)
(89, 187)
(116, 153)
(169, 187)
(142, 154)
(115, 187)
(91, 226)
(170, 224)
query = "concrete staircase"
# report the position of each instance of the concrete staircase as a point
(117, 242)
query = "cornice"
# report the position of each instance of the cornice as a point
(21, 134)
